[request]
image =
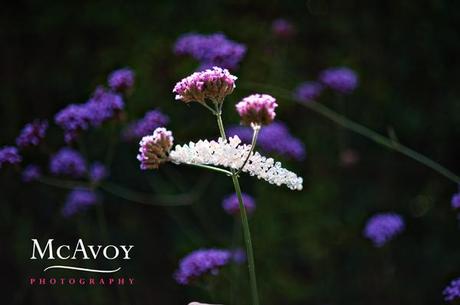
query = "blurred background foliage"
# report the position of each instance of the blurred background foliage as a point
(308, 245)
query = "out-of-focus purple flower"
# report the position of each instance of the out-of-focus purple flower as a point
(121, 80)
(274, 138)
(382, 227)
(232, 206)
(455, 202)
(283, 28)
(211, 50)
(257, 109)
(239, 256)
(32, 133)
(154, 149)
(452, 291)
(9, 155)
(213, 84)
(31, 173)
(151, 121)
(243, 132)
(102, 106)
(78, 200)
(68, 162)
(341, 79)
(201, 262)
(98, 172)
(73, 119)
(307, 92)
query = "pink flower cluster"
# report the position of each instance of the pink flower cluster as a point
(212, 84)
(154, 149)
(257, 109)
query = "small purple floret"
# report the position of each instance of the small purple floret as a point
(258, 109)
(78, 200)
(343, 80)
(455, 202)
(307, 92)
(73, 119)
(31, 173)
(211, 50)
(68, 162)
(201, 262)
(98, 172)
(383, 227)
(121, 80)
(9, 155)
(151, 121)
(32, 133)
(452, 291)
(101, 107)
(212, 84)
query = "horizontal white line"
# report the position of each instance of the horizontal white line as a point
(81, 269)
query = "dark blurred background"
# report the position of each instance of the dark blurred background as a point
(309, 245)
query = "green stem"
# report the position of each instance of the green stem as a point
(384, 141)
(67, 184)
(213, 168)
(209, 108)
(253, 146)
(245, 223)
(220, 124)
(364, 131)
(248, 243)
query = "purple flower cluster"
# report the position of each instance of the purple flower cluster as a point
(213, 84)
(201, 262)
(274, 138)
(452, 291)
(211, 50)
(78, 200)
(102, 106)
(258, 109)
(455, 202)
(342, 79)
(31, 173)
(68, 162)
(121, 80)
(9, 155)
(308, 91)
(32, 133)
(231, 204)
(381, 228)
(154, 149)
(283, 28)
(98, 172)
(151, 121)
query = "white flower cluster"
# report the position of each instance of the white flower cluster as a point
(232, 154)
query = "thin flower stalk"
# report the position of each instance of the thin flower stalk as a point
(388, 142)
(246, 229)
(255, 134)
